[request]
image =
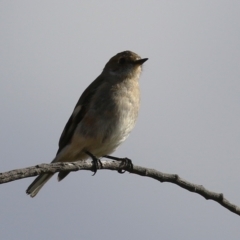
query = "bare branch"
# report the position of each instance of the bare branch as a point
(115, 165)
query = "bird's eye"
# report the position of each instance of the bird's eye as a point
(121, 60)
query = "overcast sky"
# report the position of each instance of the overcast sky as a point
(188, 123)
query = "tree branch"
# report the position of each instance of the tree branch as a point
(115, 165)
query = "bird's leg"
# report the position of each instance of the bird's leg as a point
(97, 164)
(125, 162)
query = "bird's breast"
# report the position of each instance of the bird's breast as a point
(122, 114)
(112, 114)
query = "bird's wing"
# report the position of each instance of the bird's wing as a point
(78, 113)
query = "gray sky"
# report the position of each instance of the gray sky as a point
(188, 124)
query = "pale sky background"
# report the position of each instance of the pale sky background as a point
(188, 124)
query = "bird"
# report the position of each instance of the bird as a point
(103, 117)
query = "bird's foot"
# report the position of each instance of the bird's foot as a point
(126, 163)
(97, 164)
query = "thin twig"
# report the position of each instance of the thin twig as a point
(116, 166)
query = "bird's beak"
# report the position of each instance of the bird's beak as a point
(141, 61)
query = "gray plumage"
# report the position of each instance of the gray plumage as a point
(103, 117)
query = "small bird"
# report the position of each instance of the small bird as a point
(103, 117)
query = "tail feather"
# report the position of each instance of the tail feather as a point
(38, 183)
(62, 175)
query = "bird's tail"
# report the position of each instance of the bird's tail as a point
(38, 183)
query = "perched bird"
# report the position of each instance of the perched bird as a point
(103, 117)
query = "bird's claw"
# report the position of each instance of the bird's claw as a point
(126, 164)
(97, 164)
